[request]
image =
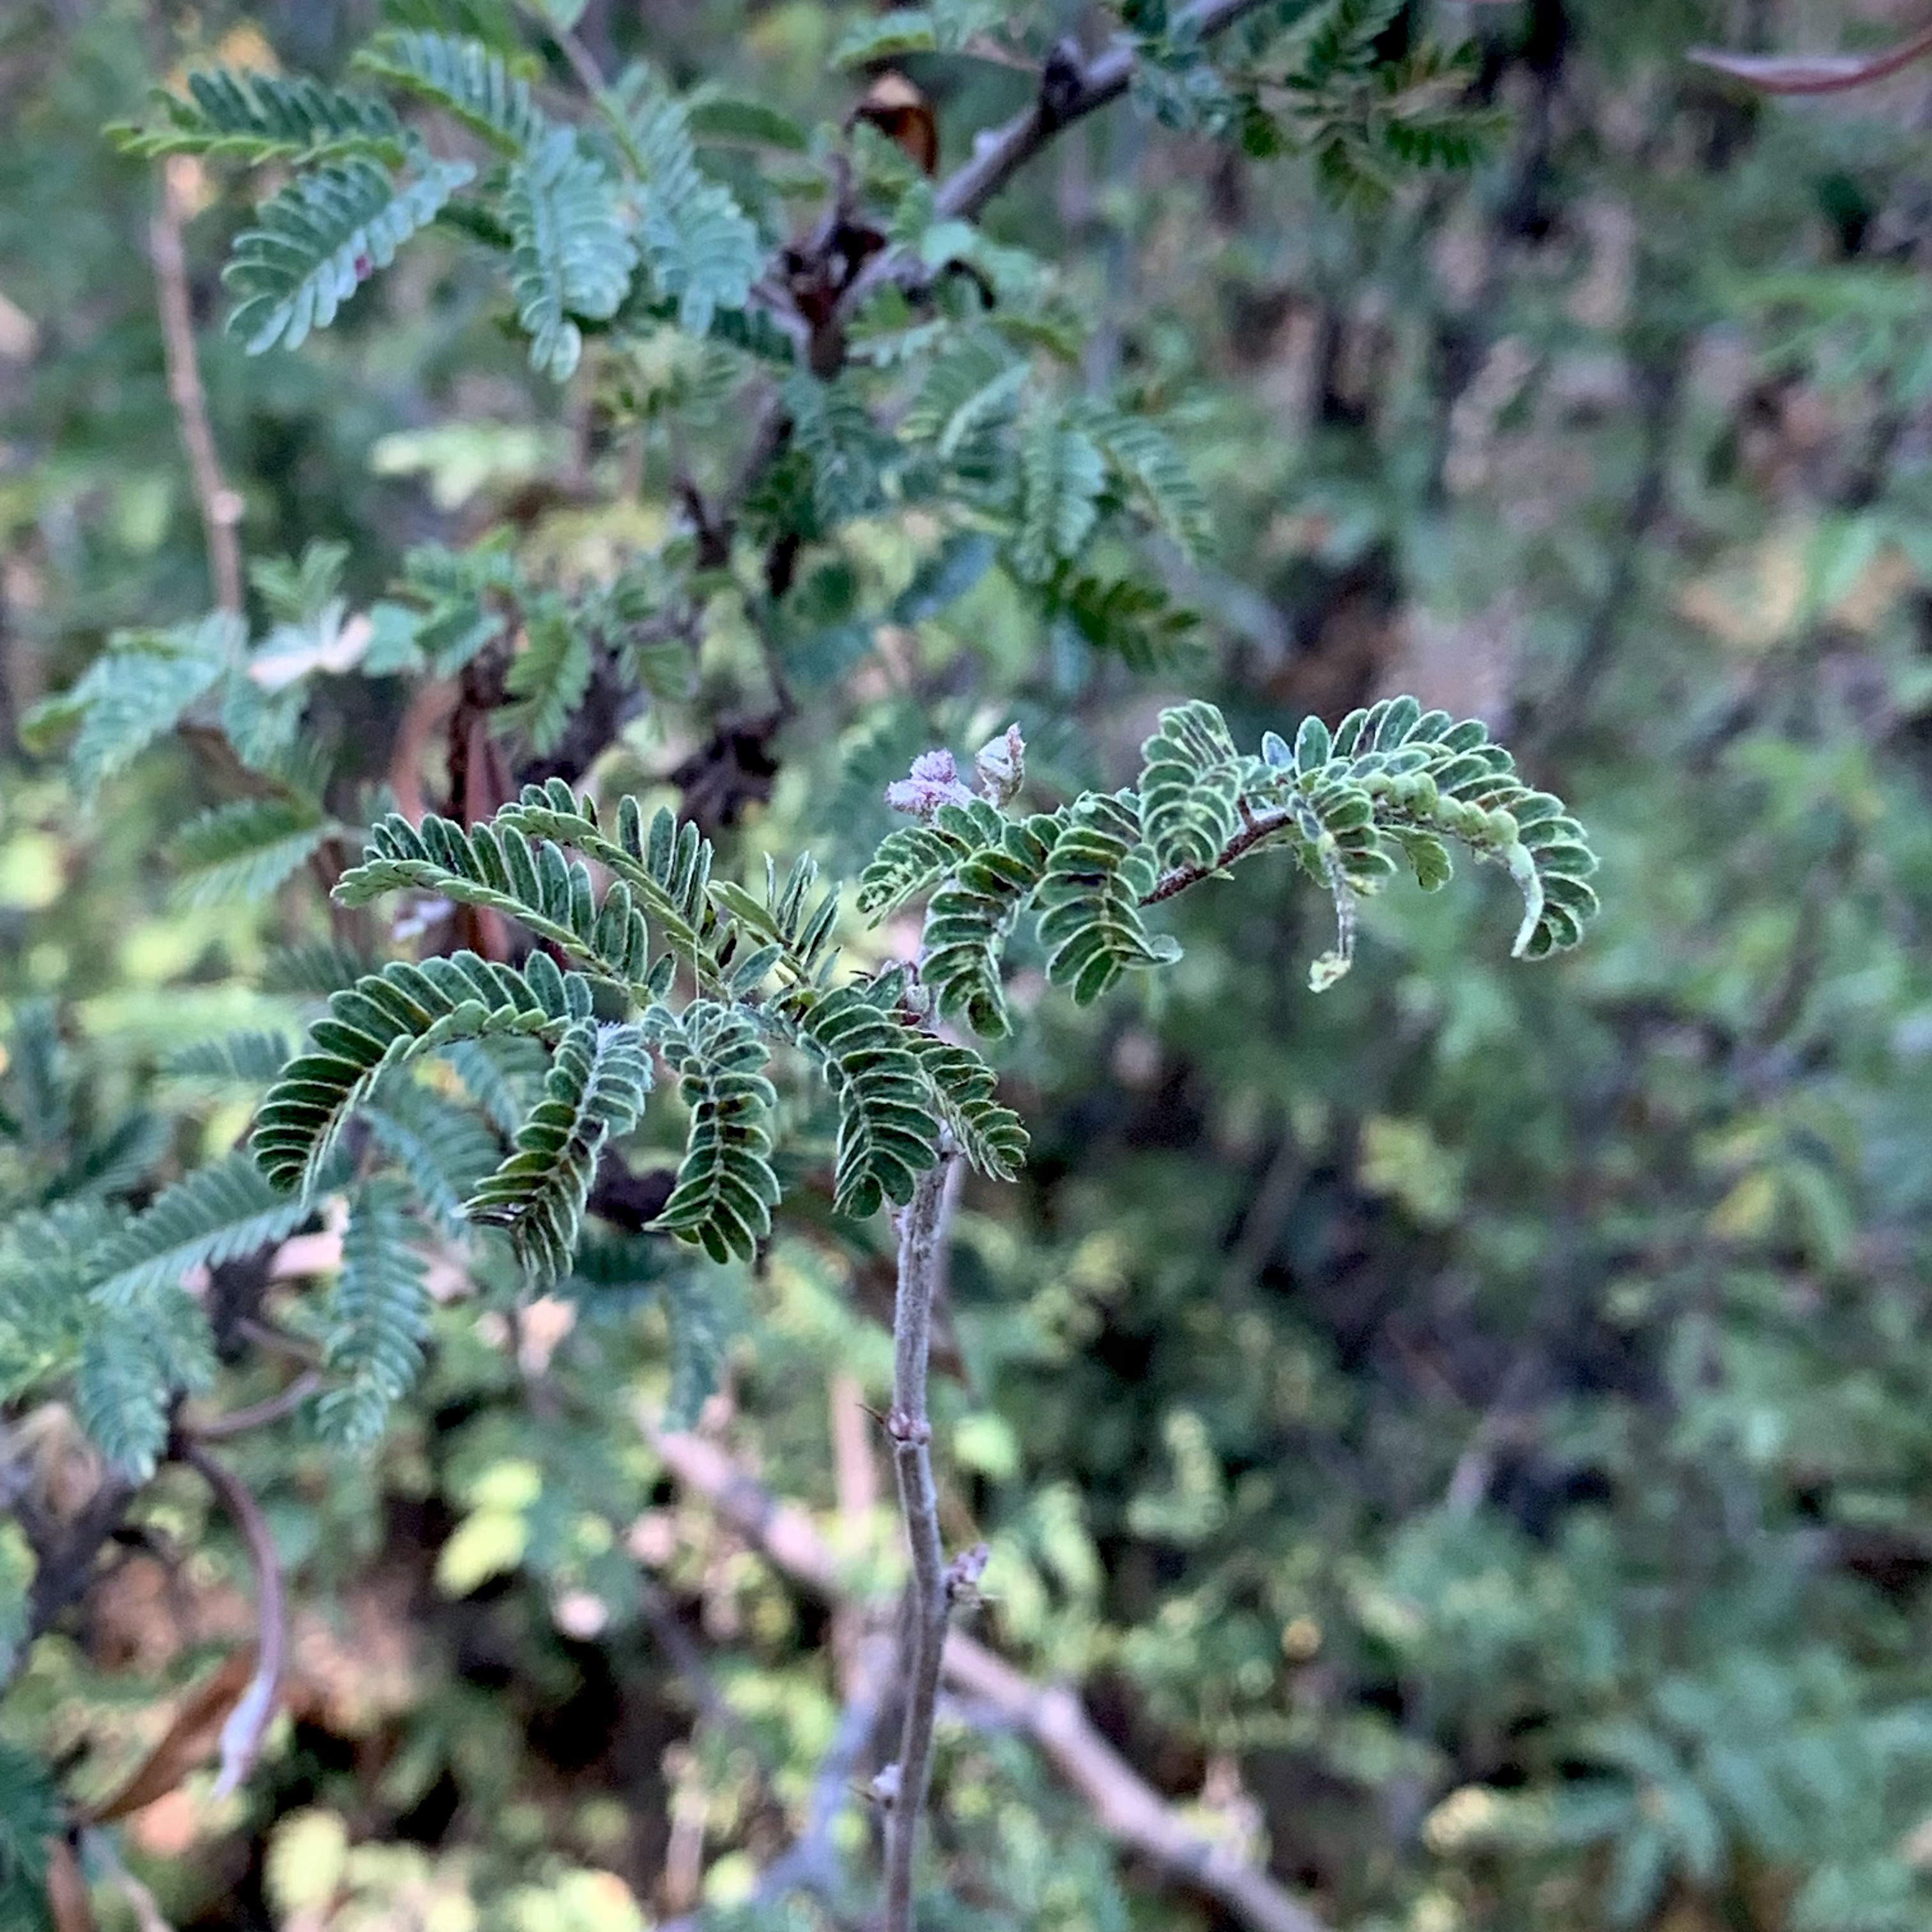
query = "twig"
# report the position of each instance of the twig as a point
(583, 61)
(65, 1552)
(922, 1259)
(221, 506)
(241, 1734)
(1262, 826)
(257, 1414)
(1128, 1809)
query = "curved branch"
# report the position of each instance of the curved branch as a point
(1815, 74)
(242, 1736)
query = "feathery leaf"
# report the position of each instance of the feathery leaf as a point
(1096, 877)
(245, 849)
(320, 239)
(388, 1019)
(1061, 475)
(465, 79)
(377, 1318)
(497, 865)
(216, 1214)
(887, 1134)
(254, 117)
(596, 1090)
(570, 254)
(726, 1189)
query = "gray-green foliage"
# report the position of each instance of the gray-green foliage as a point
(765, 974)
(1392, 782)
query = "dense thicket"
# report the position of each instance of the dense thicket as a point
(1461, 1434)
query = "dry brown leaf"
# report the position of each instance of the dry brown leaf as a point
(903, 114)
(186, 1744)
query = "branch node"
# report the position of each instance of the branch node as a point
(903, 1426)
(963, 1574)
(1063, 84)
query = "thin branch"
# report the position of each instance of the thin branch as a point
(922, 1229)
(1127, 1808)
(1262, 826)
(242, 1736)
(583, 61)
(1079, 90)
(257, 1414)
(221, 506)
(1815, 74)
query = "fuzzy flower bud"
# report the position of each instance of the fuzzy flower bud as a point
(1000, 765)
(934, 781)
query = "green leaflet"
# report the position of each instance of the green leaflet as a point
(700, 247)
(376, 1317)
(30, 1815)
(1189, 787)
(912, 859)
(1089, 899)
(244, 849)
(991, 1136)
(1152, 472)
(137, 689)
(596, 1090)
(970, 916)
(255, 117)
(845, 451)
(497, 865)
(887, 1134)
(388, 1019)
(221, 1211)
(549, 675)
(1061, 475)
(667, 864)
(570, 255)
(463, 77)
(247, 1059)
(320, 239)
(443, 1149)
(726, 1189)
(136, 1356)
(1423, 773)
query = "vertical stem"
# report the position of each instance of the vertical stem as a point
(220, 506)
(922, 1261)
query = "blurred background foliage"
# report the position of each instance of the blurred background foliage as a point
(1465, 1436)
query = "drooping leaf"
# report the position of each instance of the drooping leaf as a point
(376, 1317)
(726, 1189)
(596, 1090)
(387, 1019)
(888, 1136)
(570, 255)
